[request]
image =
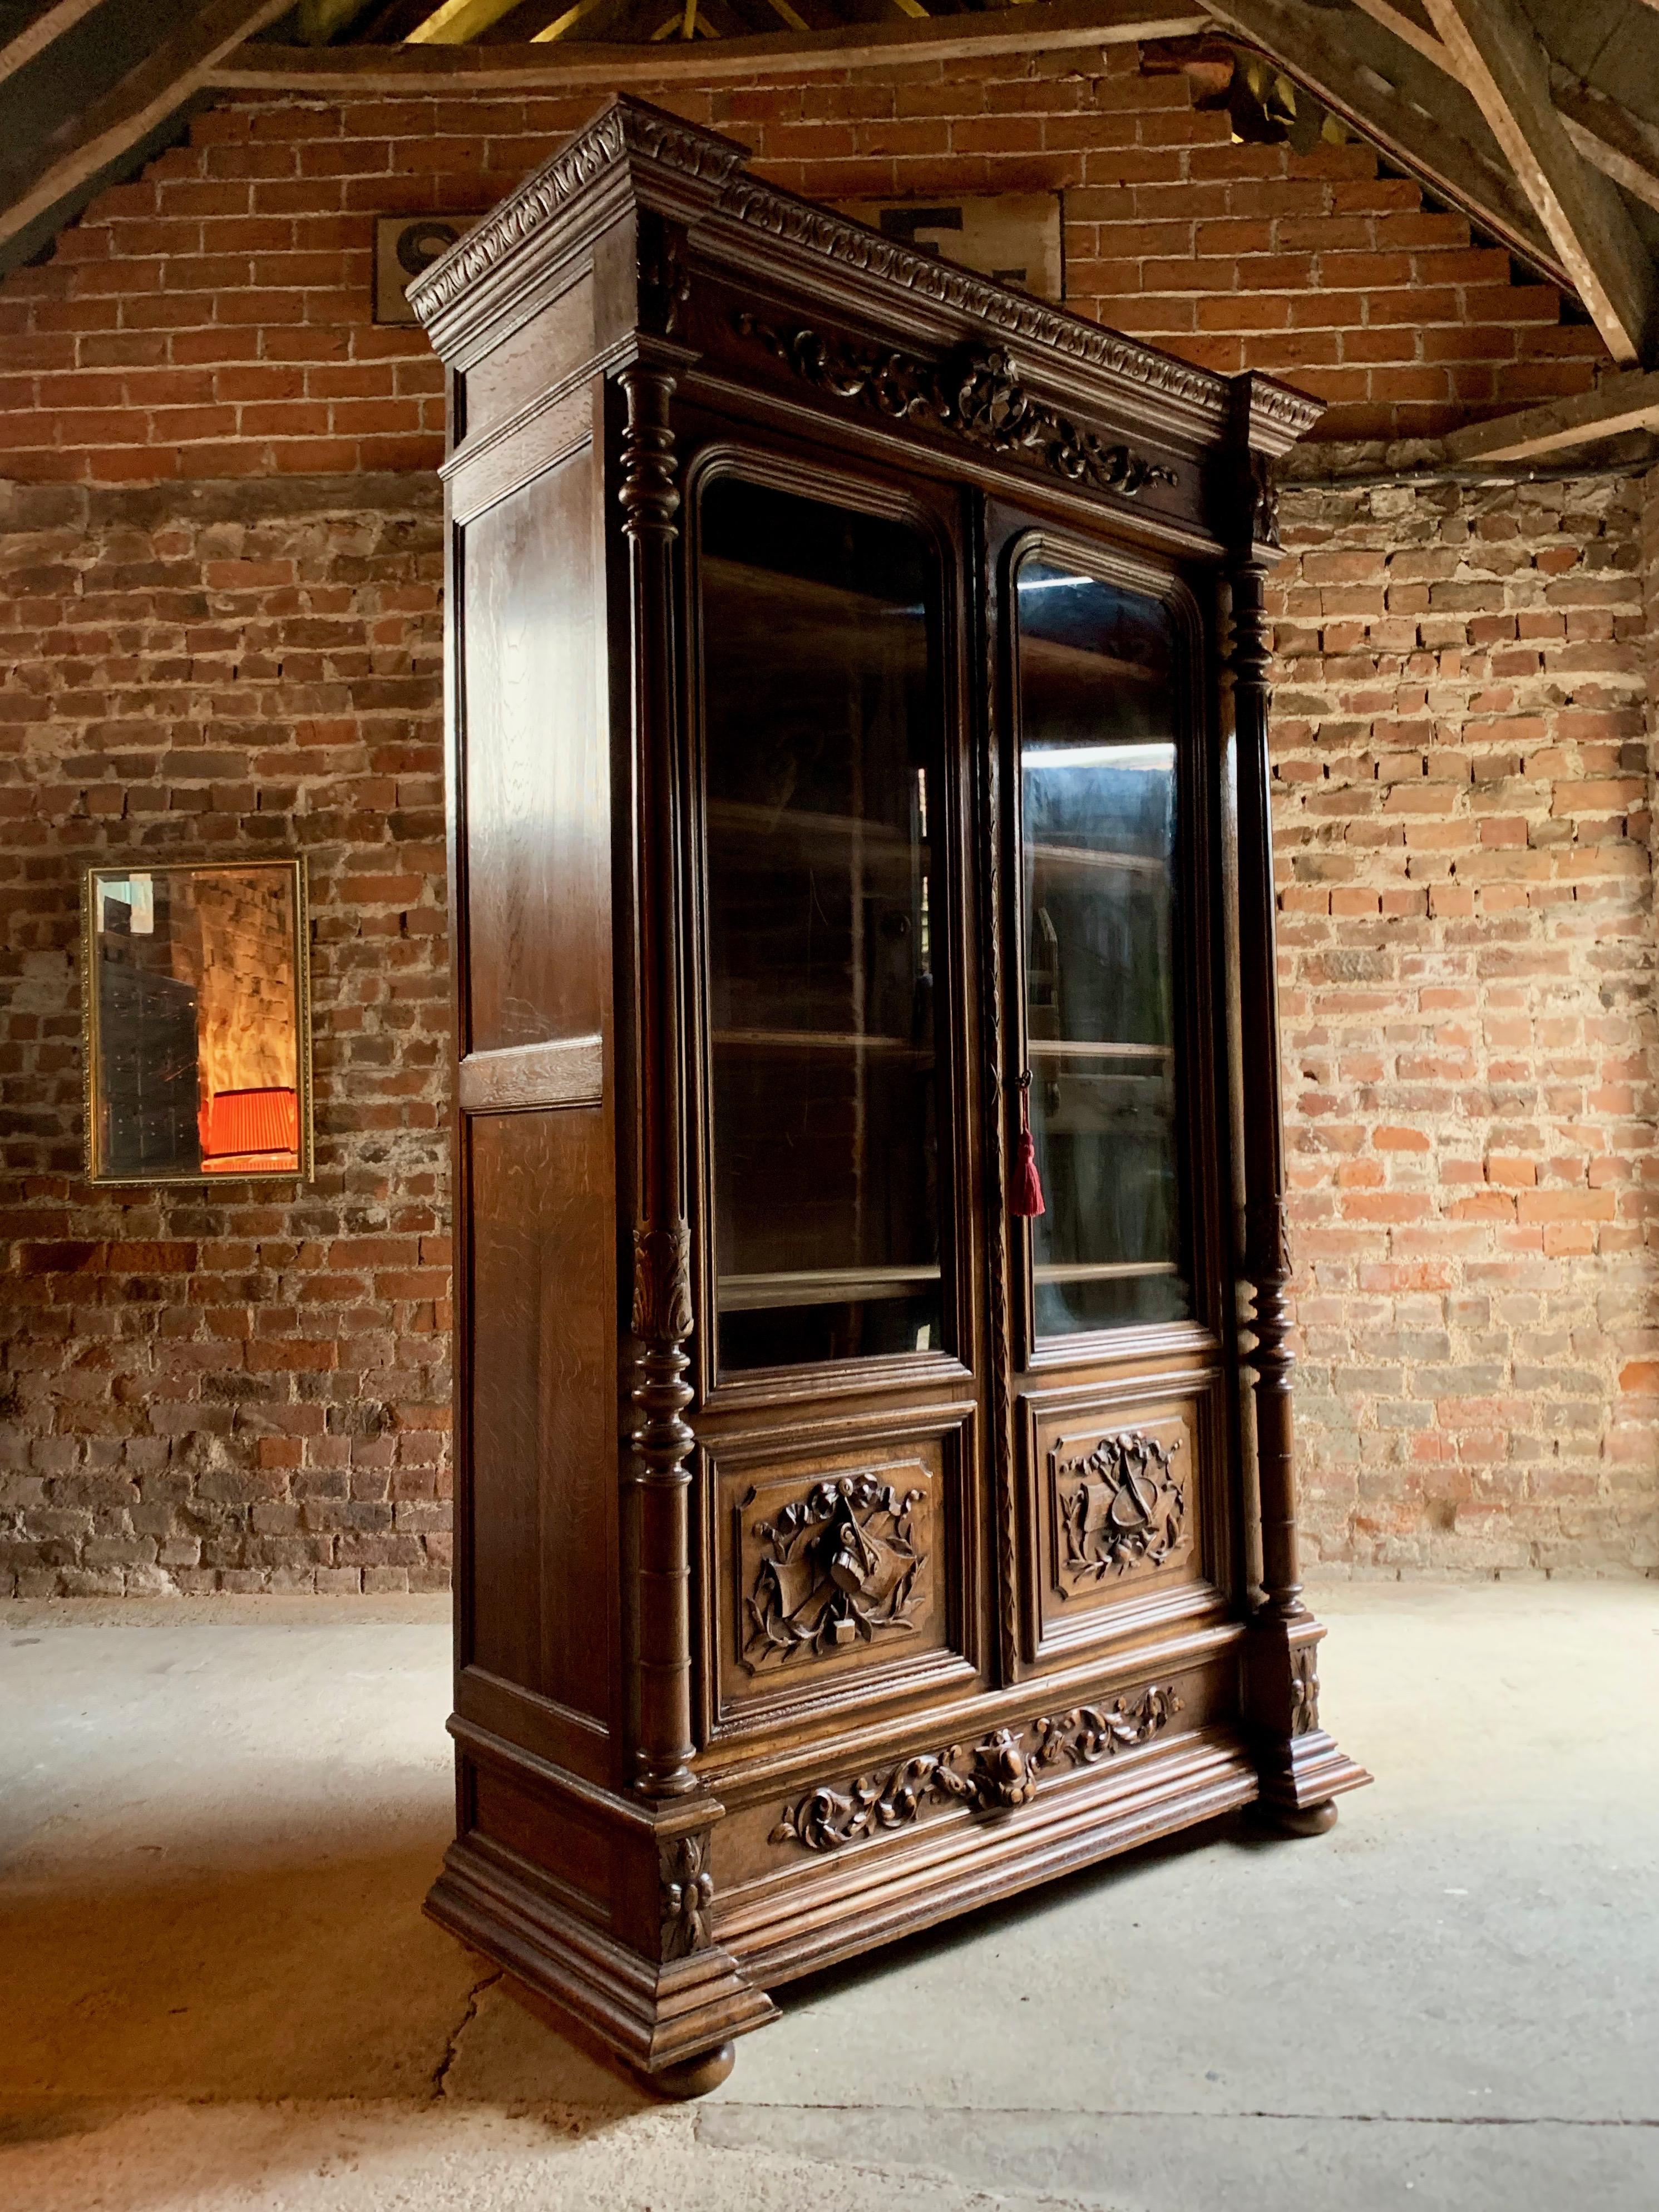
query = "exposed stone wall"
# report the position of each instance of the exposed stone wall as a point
(238, 1387)
(1464, 772)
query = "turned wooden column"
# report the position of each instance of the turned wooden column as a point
(660, 1480)
(1267, 1256)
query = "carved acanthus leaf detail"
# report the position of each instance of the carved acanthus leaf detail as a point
(997, 1774)
(1120, 1505)
(688, 1896)
(662, 1283)
(976, 394)
(841, 1567)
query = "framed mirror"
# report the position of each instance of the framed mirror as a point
(198, 1017)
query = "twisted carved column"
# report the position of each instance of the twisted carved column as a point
(662, 1315)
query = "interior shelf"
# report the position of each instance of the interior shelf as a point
(1104, 1271)
(812, 1286)
(1068, 1048)
(1097, 862)
(823, 1040)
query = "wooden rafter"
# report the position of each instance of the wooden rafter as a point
(1495, 53)
(455, 22)
(1049, 27)
(1620, 144)
(562, 25)
(1623, 403)
(34, 38)
(1415, 34)
(1605, 134)
(160, 85)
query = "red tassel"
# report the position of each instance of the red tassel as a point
(1028, 1184)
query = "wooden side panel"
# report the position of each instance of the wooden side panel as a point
(538, 1412)
(538, 912)
(543, 1406)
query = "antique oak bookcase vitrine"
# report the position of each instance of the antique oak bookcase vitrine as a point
(874, 1435)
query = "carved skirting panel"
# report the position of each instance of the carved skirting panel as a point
(999, 1773)
(976, 394)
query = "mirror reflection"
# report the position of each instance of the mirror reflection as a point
(196, 1007)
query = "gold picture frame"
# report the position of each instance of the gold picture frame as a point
(196, 1022)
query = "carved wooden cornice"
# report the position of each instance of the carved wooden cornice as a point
(630, 130)
(627, 129)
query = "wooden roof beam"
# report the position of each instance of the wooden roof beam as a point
(1046, 27)
(157, 87)
(1495, 54)
(1622, 404)
(34, 38)
(1608, 137)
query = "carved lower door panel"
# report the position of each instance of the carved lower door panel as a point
(843, 1565)
(1125, 1510)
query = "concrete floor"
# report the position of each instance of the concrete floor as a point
(218, 1820)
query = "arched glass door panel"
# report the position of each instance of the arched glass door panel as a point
(1100, 686)
(822, 747)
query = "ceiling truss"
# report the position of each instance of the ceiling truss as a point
(1559, 163)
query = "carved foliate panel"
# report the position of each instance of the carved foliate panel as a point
(839, 1566)
(999, 1773)
(687, 1891)
(1118, 1499)
(978, 395)
(835, 1572)
(1120, 1504)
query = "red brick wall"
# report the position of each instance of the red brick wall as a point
(1467, 945)
(220, 635)
(211, 1387)
(211, 319)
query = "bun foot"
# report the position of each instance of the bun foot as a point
(695, 2077)
(1294, 1819)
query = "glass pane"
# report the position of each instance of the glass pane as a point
(1099, 687)
(823, 743)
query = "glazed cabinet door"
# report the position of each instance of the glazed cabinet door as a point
(1120, 1448)
(839, 1416)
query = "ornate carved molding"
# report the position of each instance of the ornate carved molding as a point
(627, 128)
(688, 1896)
(1120, 1505)
(1304, 1691)
(976, 394)
(841, 1566)
(799, 223)
(630, 128)
(997, 1774)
